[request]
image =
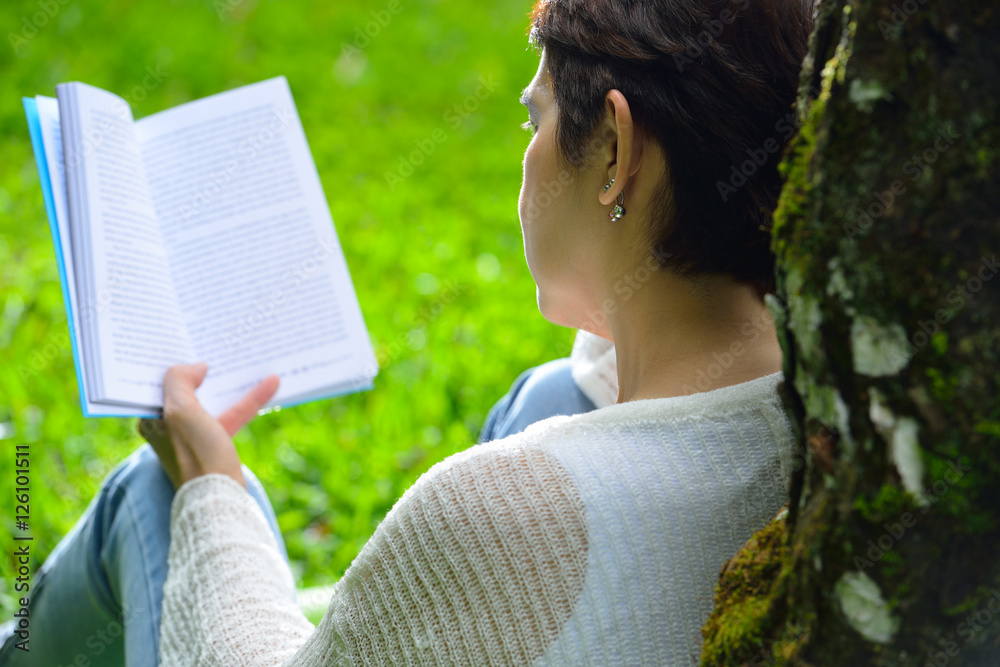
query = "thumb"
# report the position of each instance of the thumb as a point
(186, 375)
(179, 384)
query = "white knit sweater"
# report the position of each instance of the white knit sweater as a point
(587, 540)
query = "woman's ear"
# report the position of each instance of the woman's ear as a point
(622, 150)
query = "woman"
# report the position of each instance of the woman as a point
(586, 539)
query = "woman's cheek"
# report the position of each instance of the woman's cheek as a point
(527, 203)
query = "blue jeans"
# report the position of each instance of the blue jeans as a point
(538, 393)
(100, 592)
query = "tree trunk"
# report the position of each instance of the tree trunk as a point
(888, 306)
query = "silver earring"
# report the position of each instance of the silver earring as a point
(608, 186)
(618, 212)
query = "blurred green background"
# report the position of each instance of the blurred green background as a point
(437, 259)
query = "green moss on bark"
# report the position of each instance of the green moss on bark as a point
(748, 601)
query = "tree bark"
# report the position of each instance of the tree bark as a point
(888, 308)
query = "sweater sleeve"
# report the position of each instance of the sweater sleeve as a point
(229, 597)
(480, 562)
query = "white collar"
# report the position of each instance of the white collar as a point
(594, 368)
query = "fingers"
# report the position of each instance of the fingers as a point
(237, 416)
(181, 404)
(152, 429)
(155, 433)
(199, 442)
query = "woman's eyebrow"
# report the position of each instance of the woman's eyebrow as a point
(526, 99)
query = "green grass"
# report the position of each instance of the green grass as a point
(437, 260)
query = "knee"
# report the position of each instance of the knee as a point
(551, 379)
(546, 391)
(141, 472)
(140, 476)
(143, 467)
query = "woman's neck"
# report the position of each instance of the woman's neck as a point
(678, 337)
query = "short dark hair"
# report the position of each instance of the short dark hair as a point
(714, 82)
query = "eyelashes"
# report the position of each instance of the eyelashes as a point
(529, 126)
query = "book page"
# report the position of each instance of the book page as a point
(128, 309)
(48, 116)
(260, 276)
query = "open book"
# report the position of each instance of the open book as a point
(200, 233)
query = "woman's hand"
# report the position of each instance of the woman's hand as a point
(189, 441)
